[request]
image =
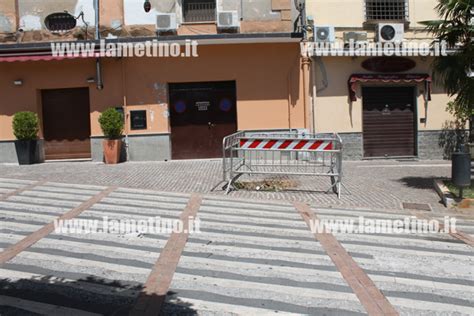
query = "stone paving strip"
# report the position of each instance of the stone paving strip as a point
(462, 235)
(24, 215)
(153, 295)
(11, 187)
(244, 261)
(369, 295)
(418, 273)
(93, 273)
(396, 182)
(252, 257)
(57, 199)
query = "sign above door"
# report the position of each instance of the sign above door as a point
(388, 64)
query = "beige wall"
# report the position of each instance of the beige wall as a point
(350, 13)
(7, 16)
(335, 113)
(268, 76)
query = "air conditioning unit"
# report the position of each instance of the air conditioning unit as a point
(228, 20)
(390, 32)
(166, 22)
(356, 37)
(324, 34)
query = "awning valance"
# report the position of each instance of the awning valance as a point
(388, 78)
(11, 59)
(23, 58)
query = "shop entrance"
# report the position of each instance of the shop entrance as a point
(389, 121)
(66, 123)
(202, 114)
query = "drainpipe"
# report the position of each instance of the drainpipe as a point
(98, 66)
(305, 65)
(314, 78)
(125, 111)
(303, 21)
(17, 16)
(313, 94)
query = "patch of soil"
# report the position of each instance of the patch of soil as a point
(273, 185)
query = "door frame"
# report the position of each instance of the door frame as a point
(39, 104)
(415, 117)
(169, 83)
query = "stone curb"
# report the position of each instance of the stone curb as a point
(449, 200)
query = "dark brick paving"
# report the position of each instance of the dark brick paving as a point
(372, 184)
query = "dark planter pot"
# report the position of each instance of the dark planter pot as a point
(26, 151)
(461, 169)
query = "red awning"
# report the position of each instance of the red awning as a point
(355, 78)
(12, 59)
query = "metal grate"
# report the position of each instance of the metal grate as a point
(199, 11)
(386, 10)
(416, 206)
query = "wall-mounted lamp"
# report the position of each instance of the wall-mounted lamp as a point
(18, 82)
(91, 80)
(147, 6)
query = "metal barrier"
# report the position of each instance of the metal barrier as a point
(282, 153)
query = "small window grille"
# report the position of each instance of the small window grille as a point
(386, 10)
(199, 10)
(60, 22)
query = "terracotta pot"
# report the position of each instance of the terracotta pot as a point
(112, 150)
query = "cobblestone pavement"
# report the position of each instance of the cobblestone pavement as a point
(251, 257)
(370, 184)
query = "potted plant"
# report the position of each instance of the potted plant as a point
(25, 129)
(111, 123)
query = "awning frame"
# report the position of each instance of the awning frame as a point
(389, 78)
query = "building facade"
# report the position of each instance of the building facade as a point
(248, 74)
(382, 106)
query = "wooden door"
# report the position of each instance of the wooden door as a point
(66, 123)
(202, 114)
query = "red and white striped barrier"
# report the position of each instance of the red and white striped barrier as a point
(276, 144)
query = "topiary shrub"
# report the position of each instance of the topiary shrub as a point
(111, 123)
(25, 126)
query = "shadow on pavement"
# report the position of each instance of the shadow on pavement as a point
(418, 182)
(89, 294)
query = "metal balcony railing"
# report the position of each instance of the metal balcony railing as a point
(202, 11)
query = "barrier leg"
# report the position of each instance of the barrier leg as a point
(229, 186)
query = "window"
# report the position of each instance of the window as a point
(199, 10)
(386, 10)
(60, 22)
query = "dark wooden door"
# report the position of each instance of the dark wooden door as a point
(202, 114)
(66, 123)
(389, 121)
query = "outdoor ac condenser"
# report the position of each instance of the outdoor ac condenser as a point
(228, 20)
(166, 22)
(390, 32)
(324, 34)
